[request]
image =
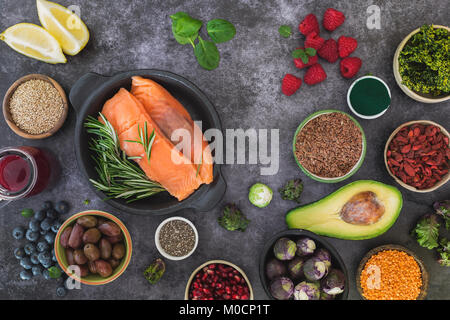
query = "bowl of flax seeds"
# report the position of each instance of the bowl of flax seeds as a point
(35, 106)
(329, 146)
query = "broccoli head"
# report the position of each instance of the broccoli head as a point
(292, 190)
(233, 219)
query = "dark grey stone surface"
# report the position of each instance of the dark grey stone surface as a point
(245, 89)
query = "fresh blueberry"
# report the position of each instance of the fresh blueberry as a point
(40, 215)
(56, 225)
(43, 232)
(33, 225)
(18, 233)
(53, 256)
(46, 224)
(42, 246)
(32, 235)
(61, 292)
(26, 275)
(62, 207)
(44, 257)
(29, 248)
(52, 214)
(34, 258)
(50, 238)
(47, 264)
(46, 274)
(19, 253)
(37, 270)
(26, 263)
(47, 205)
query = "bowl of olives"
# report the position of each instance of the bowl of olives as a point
(93, 247)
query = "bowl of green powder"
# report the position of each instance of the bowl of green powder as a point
(369, 97)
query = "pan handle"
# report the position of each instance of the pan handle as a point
(214, 195)
(83, 89)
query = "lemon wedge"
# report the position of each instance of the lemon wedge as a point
(64, 25)
(34, 41)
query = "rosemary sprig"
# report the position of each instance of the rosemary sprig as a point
(145, 140)
(118, 176)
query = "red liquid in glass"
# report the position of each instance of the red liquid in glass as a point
(14, 173)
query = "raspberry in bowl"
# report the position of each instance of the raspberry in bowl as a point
(218, 280)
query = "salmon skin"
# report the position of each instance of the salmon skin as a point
(167, 166)
(170, 115)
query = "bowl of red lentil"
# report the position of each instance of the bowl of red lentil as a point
(35, 107)
(417, 156)
(391, 272)
(329, 146)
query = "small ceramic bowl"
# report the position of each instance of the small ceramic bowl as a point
(161, 250)
(191, 278)
(10, 121)
(423, 290)
(323, 179)
(92, 279)
(421, 97)
(267, 254)
(350, 104)
(444, 180)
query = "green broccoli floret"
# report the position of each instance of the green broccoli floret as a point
(444, 253)
(292, 190)
(233, 219)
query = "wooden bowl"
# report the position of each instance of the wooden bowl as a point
(439, 184)
(421, 97)
(186, 293)
(10, 121)
(423, 290)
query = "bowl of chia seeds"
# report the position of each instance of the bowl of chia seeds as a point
(176, 238)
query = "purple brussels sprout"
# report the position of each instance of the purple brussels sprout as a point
(315, 269)
(324, 255)
(284, 249)
(305, 247)
(295, 268)
(334, 283)
(282, 288)
(326, 296)
(275, 269)
(306, 291)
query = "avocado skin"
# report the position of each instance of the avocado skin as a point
(341, 235)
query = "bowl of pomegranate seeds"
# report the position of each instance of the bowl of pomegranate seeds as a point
(417, 156)
(218, 280)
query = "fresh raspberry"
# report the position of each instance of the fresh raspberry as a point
(313, 40)
(315, 74)
(329, 51)
(350, 67)
(312, 60)
(346, 45)
(290, 84)
(309, 24)
(332, 19)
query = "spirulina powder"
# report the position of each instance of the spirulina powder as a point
(369, 97)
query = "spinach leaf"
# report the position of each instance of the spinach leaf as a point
(285, 31)
(54, 272)
(207, 54)
(220, 30)
(184, 26)
(427, 231)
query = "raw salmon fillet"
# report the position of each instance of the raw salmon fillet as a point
(170, 115)
(167, 166)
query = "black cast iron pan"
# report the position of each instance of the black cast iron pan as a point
(87, 97)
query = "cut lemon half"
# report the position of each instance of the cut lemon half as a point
(34, 42)
(64, 25)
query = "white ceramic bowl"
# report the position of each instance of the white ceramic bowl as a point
(161, 250)
(350, 104)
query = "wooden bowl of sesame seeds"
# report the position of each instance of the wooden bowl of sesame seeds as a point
(399, 263)
(35, 107)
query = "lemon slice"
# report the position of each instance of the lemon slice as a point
(34, 42)
(64, 25)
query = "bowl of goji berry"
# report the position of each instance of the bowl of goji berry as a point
(417, 156)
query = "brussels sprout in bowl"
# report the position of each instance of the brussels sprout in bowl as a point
(314, 256)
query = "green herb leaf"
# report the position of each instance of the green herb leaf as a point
(207, 54)
(310, 52)
(54, 272)
(292, 190)
(27, 213)
(220, 30)
(155, 271)
(184, 26)
(299, 53)
(285, 31)
(87, 201)
(427, 231)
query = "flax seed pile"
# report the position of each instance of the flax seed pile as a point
(391, 275)
(329, 145)
(177, 238)
(36, 106)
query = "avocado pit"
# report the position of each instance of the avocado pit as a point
(363, 208)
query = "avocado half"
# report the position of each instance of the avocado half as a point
(360, 210)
